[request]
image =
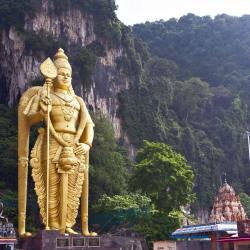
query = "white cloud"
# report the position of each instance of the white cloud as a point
(137, 11)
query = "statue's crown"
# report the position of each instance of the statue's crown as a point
(61, 60)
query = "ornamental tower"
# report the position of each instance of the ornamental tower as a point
(227, 206)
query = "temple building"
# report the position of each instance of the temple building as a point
(221, 232)
(227, 206)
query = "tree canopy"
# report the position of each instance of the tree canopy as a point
(163, 175)
(108, 172)
(167, 179)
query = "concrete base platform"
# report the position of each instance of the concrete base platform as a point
(53, 240)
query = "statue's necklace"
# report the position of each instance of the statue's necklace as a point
(68, 111)
(66, 98)
(67, 108)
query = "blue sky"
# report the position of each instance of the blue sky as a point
(138, 11)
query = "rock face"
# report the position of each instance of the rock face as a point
(75, 26)
(107, 83)
(227, 206)
(19, 67)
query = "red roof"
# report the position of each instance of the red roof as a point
(234, 239)
(7, 241)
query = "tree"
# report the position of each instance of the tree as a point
(121, 211)
(164, 176)
(123, 202)
(108, 171)
(159, 226)
(245, 201)
(8, 148)
(189, 96)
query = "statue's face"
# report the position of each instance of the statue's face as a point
(63, 79)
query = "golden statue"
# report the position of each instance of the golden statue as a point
(59, 158)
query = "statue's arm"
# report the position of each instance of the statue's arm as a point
(88, 132)
(88, 127)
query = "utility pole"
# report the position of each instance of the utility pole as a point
(248, 141)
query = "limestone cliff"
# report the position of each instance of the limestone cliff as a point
(19, 66)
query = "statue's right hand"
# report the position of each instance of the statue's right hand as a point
(46, 100)
(45, 104)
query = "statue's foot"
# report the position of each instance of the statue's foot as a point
(93, 234)
(69, 230)
(87, 233)
(25, 235)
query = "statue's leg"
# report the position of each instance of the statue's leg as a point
(63, 201)
(85, 203)
(75, 182)
(54, 188)
(54, 203)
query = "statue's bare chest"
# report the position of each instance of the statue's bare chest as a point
(65, 112)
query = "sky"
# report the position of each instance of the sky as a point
(140, 11)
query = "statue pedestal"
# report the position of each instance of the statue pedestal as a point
(53, 240)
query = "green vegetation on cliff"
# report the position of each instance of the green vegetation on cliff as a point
(194, 95)
(13, 12)
(108, 172)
